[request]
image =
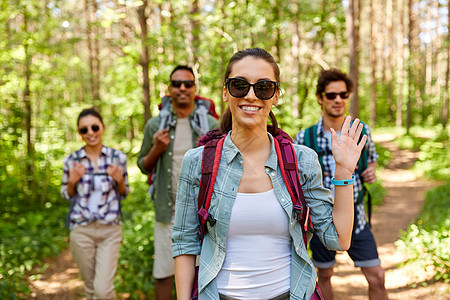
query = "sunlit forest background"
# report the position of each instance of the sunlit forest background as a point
(58, 57)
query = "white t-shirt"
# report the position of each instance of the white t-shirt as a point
(258, 250)
(96, 195)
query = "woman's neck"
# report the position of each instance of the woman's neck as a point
(250, 140)
(93, 151)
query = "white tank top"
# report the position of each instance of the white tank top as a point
(258, 249)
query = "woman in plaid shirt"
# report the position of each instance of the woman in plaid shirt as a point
(95, 180)
(255, 249)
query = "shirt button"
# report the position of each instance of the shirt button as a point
(282, 200)
(272, 174)
(168, 170)
(170, 153)
(172, 137)
(168, 186)
(170, 203)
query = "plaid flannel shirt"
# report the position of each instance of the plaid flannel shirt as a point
(108, 206)
(212, 253)
(328, 160)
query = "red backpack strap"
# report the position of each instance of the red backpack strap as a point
(210, 166)
(287, 160)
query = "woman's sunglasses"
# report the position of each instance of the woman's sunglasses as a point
(187, 83)
(84, 130)
(263, 89)
(332, 96)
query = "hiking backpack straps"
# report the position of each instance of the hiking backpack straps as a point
(287, 160)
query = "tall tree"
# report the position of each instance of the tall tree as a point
(144, 59)
(373, 61)
(352, 36)
(389, 57)
(400, 64)
(446, 91)
(410, 63)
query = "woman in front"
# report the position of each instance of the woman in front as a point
(95, 180)
(255, 249)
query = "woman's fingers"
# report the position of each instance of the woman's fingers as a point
(362, 143)
(346, 126)
(358, 132)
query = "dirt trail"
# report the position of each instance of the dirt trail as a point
(401, 205)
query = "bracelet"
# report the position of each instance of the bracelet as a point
(343, 182)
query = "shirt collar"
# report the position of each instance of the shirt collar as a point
(230, 151)
(320, 131)
(105, 151)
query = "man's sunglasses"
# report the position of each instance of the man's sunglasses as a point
(187, 83)
(263, 89)
(332, 96)
(84, 130)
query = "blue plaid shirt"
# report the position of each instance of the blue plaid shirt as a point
(212, 254)
(328, 160)
(108, 205)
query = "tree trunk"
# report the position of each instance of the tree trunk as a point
(29, 160)
(353, 48)
(373, 62)
(410, 62)
(144, 60)
(389, 61)
(92, 52)
(400, 65)
(193, 37)
(446, 92)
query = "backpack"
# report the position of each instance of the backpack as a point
(310, 140)
(287, 160)
(199, 123)
(72, 203)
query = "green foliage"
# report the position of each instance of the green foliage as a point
(384, 155)
(428, 240)
(134, 273)
(25, 241)
(434, 158)
(410, 142)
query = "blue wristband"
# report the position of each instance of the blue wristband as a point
(343, 182)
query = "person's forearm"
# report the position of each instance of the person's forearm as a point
(150, 160)
(343, 209)
(184, 276)
(71, 189)
(121, 188)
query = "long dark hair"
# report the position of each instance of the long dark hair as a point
(226, 120)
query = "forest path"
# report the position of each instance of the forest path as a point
(404, 199)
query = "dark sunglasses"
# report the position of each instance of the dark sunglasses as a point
(84, 130)
(187, 83)
(263, 89)
(332, 96)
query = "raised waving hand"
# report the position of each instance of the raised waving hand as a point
(346, 150)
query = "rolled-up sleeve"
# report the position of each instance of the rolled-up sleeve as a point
(185, 238)
(123, 165)
(318, 198)
(65, 178)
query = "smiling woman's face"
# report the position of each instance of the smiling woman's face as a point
(250, 111)
(93, 128)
